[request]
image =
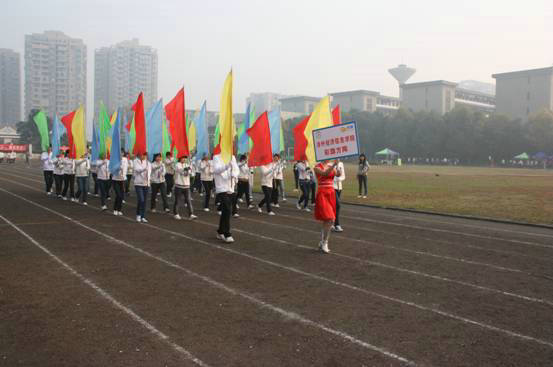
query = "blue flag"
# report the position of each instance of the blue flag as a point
(202, 146)
(244, 138)
(115, 154)
(95, 154)
(154, 129)
(274, 127)
(57, 131)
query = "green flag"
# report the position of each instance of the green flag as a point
(282, 149)
(42, 124)
(217, 135)
(132, 134)
(252, 121)
(105, 126)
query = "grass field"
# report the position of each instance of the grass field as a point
(503, 193)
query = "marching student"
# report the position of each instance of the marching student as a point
(362, 175)
(58, 173)
(169, 172)
(267, 173)
(129, 173)
(223, 176)
(103, 178)
(125, 161)
(198, 177)
(278, 177)
(312, 185)
(183, 174)
(82, 167)
(339, 178)
(296, 176)
(244, 181)
(303, 178)
(142, 174)
(48, 169)
(157, 180)
(94, 173)
(119, 179)
(325, 207)
(206, 175)
(68, 177)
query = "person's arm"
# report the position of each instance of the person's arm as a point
(265, 171)
(141, 168)
(219, 167)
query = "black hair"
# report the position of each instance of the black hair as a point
(167, 154)
(155, 156)
(362, 155)
(243, 157)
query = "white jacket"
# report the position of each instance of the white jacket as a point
(68, 166)
(302, 170)
(279, 170)
(121, 175)
(169, 166)
(130, 167)
(82, 166)
(267, 174)
(182, 175)
(339, 179)
(206, 170)
(244, 173)
(103, 169)
(58, 166)
(142, 172)
(47, 163)
(225, 175)
(158, 172)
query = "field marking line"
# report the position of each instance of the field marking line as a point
(290, 269)
(289, 315)
(108, 297)
(421, 219)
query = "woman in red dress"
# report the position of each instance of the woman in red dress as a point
(325, 201)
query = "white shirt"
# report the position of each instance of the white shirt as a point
(267, 173)
(206, 170)
(169, 166)
(103, 169)
(121, 175)
(68, 166)
(58, 166)
(302, 170)
(158, 172)
(142, 172)
(225, 175)
(81, 167)
(339, 179)
(182, 175)
(279, 170)
(129, 167)
(244, 173)
(47, 162)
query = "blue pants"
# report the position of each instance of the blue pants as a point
(141, 194)
(82, 184)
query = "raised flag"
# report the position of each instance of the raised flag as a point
(191, 134)
(103, 128)
(155, 129)
(139, 126)
(274, 125)
(95, 154)
(42, 125)
(115, 154)
(300, 142)
(226, 124)
(57, 131)
(202, 136)
(336, 115)
(320, 117)
(176, 114)
(67, 121)
(261, 153)
(79, 132)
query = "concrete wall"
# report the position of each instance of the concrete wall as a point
(439, 98)
(359, 102)
(519, 95)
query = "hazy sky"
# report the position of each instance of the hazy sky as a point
(299, 46)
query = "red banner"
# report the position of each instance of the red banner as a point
(18, 148)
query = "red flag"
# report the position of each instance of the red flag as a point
(300, 142)
(67, 121)
(139, 126)
(261, 153)
(176, 114)
(336, 115)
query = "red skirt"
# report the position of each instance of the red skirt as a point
(325, 204)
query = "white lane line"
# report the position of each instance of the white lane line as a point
(105, 295)
(306, 274)
(286, 314)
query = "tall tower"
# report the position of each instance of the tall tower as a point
(10, 87)
(402, 73)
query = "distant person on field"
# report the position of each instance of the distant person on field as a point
(362, 171)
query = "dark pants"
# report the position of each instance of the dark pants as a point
(337, 220)
(296, 178)
(48, 180)
(277, 190)
(304, 198)
(128, 183)
(267, 191)
(82, 191)
(198, 182)
(108, 186)
(208, 185)
(244, 189)
(102, 185)
(313, 188)
(218, 201)
(234, 201)
(141, 194)
(119, 187)
(68, 183)
(58, 179)
(159, 187)
(170, 181)
(182, 194)
(362, 179)
(224, 220)
(95, 179)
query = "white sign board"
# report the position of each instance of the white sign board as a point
(338, 141)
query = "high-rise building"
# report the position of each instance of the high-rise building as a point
(264, 101)
(55, 73)
(121, 72)
(10, 87)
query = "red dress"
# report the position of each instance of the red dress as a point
(325, 200)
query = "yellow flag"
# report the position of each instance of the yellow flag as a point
(226, 121)
(192, 136)
(78, 129)
(108, 138)
(321, 117)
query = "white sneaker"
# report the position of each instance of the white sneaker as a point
(221, 237)
(284, 199)
(364, 196)
(240, 200)
(307, 210)
(177, 217)
(167, 210)
(64, 198)
(138, 218)
(324, 248)
(202, 194)
(251, 206)
(48, 193)
(119, 213)
(229, 239)
(192, 217)
(259, 210)
(298, 206)
(206, 209)
(169, 195)
(338, 229)
(271, 213)
(104, 207)
(124, 202)
(276, 205)
(85, 203)
(144, 220)
(237, 206)
(154, 211)
(219, 212)
(59, 196)
(236, 215)
(115, 212)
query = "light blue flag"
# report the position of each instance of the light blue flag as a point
(154, 129)
(95, 154)
(244, 138)
(202, 137)
(115, 153)
(274, 127)
(57, 131)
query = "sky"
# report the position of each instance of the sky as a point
(303, 47)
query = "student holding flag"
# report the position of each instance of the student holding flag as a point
(103, 178)
(48, 169)
(169, 172)
(267, 174)
(206, 176)
(82, 168)
(158, 183)
(129, 173)
(142, 175)
(244, 181)
(119, 176)
(224, 174)
(278, 187)
(183, 173)
(58, 174)
(68, 176)
(303, 178)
